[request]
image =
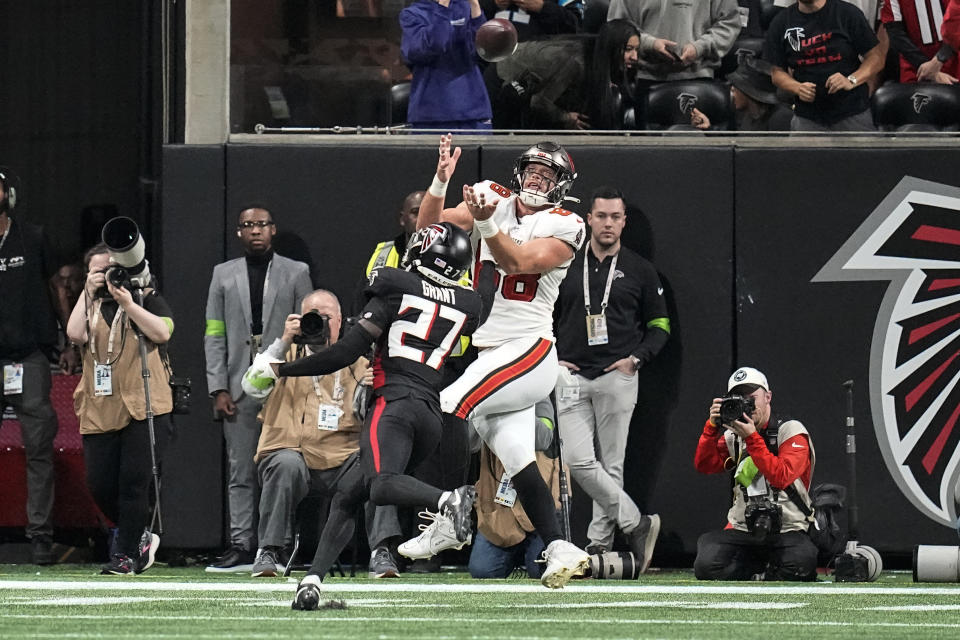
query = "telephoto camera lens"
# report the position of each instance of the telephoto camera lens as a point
(614, 565)
(314, 329)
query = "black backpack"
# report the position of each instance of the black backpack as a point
(829, 533)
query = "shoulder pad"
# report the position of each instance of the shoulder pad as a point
(560, 211)
(386, 280)
(492, 188)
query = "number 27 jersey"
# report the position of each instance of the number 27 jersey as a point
(523, 303)
(422, 322)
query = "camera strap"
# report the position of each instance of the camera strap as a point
(771, 438)
(118, 318)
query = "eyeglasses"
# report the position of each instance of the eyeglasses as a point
(250, 224)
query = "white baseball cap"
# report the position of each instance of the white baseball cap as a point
(747, 375)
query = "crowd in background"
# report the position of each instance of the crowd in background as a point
(649, 64)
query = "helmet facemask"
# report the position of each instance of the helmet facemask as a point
(550, 191)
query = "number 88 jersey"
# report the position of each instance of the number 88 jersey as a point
(522, 303)
(422, 322)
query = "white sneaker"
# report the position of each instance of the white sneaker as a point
(436, 537)
(564, 561)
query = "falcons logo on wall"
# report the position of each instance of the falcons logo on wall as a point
(912, 239)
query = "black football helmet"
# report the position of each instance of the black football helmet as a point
(552, 155)
(441, 252)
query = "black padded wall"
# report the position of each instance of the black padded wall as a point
(332, 204)
(736, 232)
(193, 242)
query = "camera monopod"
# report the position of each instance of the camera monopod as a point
(858, 562)
(145, 374)
(562, 475)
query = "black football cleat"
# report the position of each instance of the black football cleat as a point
(308, 594)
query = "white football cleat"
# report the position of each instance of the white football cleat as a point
(438, 536)
(564, 561)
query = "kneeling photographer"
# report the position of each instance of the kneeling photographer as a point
(117, 310)
(311, 431)
(772, 462)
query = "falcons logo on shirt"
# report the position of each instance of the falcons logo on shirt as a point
(794, 35)
(912, 239)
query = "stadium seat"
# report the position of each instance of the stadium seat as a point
(399, 100)
(916, 107)
(594, 15)
(768, 12)
(669, 104)
(742, 48)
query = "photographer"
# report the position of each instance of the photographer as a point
(111, 406)
(766, 533)
(311, 429)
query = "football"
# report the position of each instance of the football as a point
(496, 40)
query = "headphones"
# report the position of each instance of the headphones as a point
(10, 199)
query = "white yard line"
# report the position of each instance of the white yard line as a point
(311, 618)
(134, 584)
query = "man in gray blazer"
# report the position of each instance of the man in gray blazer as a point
(248, 303)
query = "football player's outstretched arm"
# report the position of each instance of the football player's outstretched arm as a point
(337, 356)
(431, 208)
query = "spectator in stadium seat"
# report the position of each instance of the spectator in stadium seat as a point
(565, 86)
(110, 402)
(680, 41)
(815, 48)
(754, 98)
(923, 55)
(28, 336)
(447, 91)
(311, 429)
(772, 463)
(536, 19)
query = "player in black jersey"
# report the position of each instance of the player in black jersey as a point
(415, 317)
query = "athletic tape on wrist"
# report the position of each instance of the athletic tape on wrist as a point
(487, 228)
(437, 188)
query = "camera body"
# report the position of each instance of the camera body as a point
(859, 563)
(180, 390)
(733, 406)
(763, 516)
(314, 329)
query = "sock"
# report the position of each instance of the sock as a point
(443, 498)
(537, 501)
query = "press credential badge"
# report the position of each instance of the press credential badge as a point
(12, 379)
(102, 380)
(506, 494)
(328, 418)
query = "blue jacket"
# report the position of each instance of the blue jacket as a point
(438, 46)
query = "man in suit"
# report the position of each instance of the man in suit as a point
(248, 303)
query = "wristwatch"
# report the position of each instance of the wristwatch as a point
(853, 79)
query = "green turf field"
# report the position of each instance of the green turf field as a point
(71, 601)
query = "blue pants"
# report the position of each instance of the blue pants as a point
(487, 560)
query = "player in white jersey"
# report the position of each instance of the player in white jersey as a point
(526, 242)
